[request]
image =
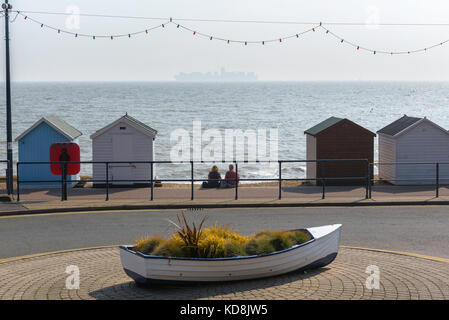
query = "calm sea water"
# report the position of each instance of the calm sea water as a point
(292, 107)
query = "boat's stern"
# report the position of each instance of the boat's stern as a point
(133, 265)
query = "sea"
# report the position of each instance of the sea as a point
(289, 107)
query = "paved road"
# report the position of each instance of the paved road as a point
(415, 229)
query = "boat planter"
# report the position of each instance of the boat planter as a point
(318, 252)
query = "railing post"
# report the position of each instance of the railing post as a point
(236, 181)
(107, 181)
(323, 179)
(280, 179)
(151, 181)
(9, 185)
(191, 180)
(62, 181)
(437, 182)
(368, 179)
(18, 179)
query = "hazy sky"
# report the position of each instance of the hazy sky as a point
(43, 55)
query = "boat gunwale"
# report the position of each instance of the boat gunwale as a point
(146, 256)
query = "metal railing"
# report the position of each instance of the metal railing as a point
(9, 184)
(365, 180)
(436, 179)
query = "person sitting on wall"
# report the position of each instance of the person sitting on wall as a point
(230, 177)
(214, 179)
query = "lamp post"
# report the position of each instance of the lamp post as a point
(9, 173)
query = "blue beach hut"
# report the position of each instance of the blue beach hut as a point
(34, 146)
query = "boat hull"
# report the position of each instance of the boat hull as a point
(315, 253)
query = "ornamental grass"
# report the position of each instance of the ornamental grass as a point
(217, 241)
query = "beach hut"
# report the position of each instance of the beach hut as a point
(125, 139)
(411, 139)
(34, 146)
(337, 138)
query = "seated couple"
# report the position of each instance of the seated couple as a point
(215, 181)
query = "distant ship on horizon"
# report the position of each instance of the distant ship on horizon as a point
(223, 75)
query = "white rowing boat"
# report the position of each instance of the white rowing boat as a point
(318, 252)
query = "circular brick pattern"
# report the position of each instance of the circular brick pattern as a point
(102, 277)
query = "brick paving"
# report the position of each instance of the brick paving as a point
(101, 277)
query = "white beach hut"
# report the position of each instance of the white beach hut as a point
(411, 139)
(126, 139)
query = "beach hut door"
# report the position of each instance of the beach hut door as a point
(122, 149)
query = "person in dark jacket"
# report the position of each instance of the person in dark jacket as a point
(214, 178)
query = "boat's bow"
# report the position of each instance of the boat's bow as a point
(327, 241)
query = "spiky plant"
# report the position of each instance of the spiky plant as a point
(191, 235)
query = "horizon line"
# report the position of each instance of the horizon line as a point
(225, 81)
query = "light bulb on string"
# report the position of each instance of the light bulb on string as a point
(297, 35)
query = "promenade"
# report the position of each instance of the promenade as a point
(252, 196)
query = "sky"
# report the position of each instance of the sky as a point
(41, 54)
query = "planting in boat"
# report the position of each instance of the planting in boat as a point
(217, 241)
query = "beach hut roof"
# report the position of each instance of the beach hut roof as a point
(138, 125)
(323, 125)
(404, 124)
(57, 124)
(320, 127)
(399, 125)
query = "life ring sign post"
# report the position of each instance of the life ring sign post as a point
(9, 172)
(65, 160)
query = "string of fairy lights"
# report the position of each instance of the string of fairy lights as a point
(314, 28)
